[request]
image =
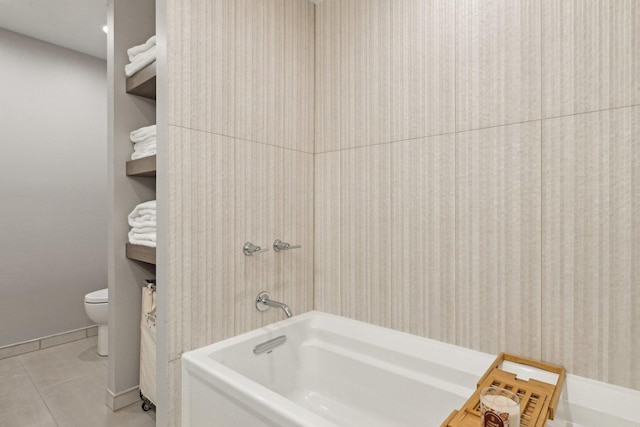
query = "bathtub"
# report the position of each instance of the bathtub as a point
(333, 371)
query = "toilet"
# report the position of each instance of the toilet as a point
(96, 304)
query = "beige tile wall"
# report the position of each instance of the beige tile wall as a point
(415, 224)
(365, 221)
(591, 243)
(327, 75)
(422, 67)
(591, 55)
(516, 229)
(202, 214)
(240, 168)
(381, 65)
(498, 62)
(421, 244)
(327, 253)
(497, 239)
(174, 413)
(201, 51)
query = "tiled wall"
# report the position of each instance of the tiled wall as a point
(477, 174)
(240, 167)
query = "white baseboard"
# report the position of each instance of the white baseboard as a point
(123, 399)
(48, 341)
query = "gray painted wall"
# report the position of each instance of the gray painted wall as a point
(53, 180)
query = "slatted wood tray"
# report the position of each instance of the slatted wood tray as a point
(538, 400)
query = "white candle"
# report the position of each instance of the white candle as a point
(503, 405)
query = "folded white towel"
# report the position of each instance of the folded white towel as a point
(139, 225)
(140, 61)
(142, 134)
(136, 50)
(145, 148)
(146, 208)
(150, 205)
(143, 243)
(150, 236)
(142, 218)
(142, 154)
(143, 224)
(147, 144)
(146, 220)
(143, 230)
(146, 213)
(143, 239)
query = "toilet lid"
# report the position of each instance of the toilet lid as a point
(97, 297)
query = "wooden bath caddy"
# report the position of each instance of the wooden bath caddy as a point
(538, 399)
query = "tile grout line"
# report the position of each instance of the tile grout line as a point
(241, 139)
(390, 306)
(35, 386)
(465, 131)
(540, 333)
(454, 333)
(313, 144)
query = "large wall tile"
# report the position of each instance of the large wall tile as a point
(297, 230)
(201, 59)
(422, 95)
(299, 61)
(327, 76)
(591, 244)
(352, 262)
(327, 254)
(423, 237)
(364, 72)
(498, 62)
(259, 219)
(591, 55)
(174, 413)
(365, 267)
(498, 237)
(200, 216)
(242, 71)
(259, 71)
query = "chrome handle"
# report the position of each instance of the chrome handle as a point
(250, 249)
(279, 245)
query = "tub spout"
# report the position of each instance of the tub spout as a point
(264, 301)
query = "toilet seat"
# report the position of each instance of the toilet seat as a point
(97, 297)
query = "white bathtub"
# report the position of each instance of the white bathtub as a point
(333, 371)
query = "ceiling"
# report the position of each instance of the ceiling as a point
(74, 24)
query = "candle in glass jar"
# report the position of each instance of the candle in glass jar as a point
(504, 406)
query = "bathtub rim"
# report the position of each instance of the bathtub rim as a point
(579, 392)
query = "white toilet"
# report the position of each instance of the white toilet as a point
(96, 304)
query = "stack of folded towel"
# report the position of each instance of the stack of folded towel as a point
(143, 224)
(144, 142)
(140, 56)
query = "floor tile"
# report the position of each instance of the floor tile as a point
(62, 386)
(7, 367)
(59, 364)
(81, 403)
(20, 402)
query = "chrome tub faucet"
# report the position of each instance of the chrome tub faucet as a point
(264, 301)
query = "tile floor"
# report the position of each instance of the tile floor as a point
(62, 386)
